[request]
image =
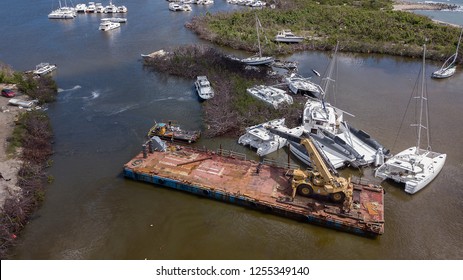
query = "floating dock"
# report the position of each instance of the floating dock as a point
(228, 176)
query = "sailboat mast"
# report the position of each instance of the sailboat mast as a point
(458, 45)
(418, 142)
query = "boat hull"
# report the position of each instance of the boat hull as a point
(254, 185)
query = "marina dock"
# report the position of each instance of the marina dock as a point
(229, 177)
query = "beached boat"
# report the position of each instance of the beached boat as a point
(44, 68)
(415, 167)
(258, 59)
(273, 96)
(172, 131)
(22, 103)
(204, 88)
(449, 67)
(286, 36)
(258, 137)
(300, 85)
(107, 25)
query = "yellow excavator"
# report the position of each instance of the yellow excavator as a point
(322, 180)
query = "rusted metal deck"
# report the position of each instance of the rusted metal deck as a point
(259, 186)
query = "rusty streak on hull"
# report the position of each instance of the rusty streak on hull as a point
(254, 185)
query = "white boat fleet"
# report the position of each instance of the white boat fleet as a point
(70, 12)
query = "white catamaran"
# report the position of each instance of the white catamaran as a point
(416, 167)
(449, 67)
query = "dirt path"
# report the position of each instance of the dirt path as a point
(9, 166)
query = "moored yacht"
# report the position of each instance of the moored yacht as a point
(107, 25)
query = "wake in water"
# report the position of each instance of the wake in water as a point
(94, 95)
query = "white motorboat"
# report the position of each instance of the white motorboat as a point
(257, 4)
(203, 87)
(99, 8)
(115, 19)
(111, 8)
(175, 7)
(300, 85)
(107, 25)
(91, 8)
(449, 67)
(122, 9)
(186, 8)
(273, 96)
(44, 68)
(22, 103)
(258, 59)
(415, 167)
(264, 141)
(81, 8)
(286, 36)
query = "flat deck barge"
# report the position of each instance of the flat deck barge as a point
(225, 176)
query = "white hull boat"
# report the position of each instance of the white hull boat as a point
(107, 25)
(286, 36)
(258, 59)
(449, 67)
(115, 19)
(264, 141)
(44, 68)
(415, 167)
(203, 87)
(273, 96)
(300, 85)
(320, 115)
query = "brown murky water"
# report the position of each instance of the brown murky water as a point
(108, 102)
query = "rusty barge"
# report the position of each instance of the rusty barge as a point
(228, 176)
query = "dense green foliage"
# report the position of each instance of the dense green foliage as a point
(232, 108)
(358, 28)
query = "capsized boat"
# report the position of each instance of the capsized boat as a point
(300, 85)
(415, 167)
(264, 141)
(172, 131)
(271, 95)
(449, 67)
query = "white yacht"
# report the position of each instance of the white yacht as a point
(91, 8)
(44, 68)
(286, 36)
(122, 9)
(186, 7)
(264, 141)
(298, 84)
(115, 19)
(415, 167)
(63, 12)
(111, 8)
(81, 8)
(99, 8)
(203, 87)
(107, 25)
(318, 114)
(273, 96)
(175, 7)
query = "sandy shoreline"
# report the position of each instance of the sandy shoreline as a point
(409, 6)
(9, 166)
